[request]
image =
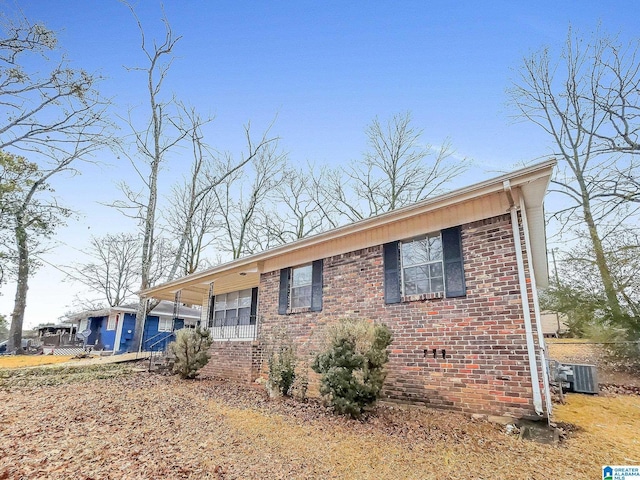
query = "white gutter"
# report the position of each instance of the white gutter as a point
(486, 187)
(536, 308)
(531, 348)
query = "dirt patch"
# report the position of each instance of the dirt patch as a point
(148, 426)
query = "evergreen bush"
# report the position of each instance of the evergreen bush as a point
(191, 351)
(352, 365)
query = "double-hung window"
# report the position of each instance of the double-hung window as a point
(165, 324)
(431, 265)
(301, 280)
(233, 308)
(112, 322)
(301, 288)
(422, 270)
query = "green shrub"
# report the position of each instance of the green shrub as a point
(191, 351)
(352, 366)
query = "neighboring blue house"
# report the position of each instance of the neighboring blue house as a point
(111, 329)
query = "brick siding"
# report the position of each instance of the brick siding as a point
(233, 360)
(485, 369)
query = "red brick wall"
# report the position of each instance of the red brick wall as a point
(486, 367)
(235, 361)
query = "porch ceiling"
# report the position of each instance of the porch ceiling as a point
(195, 291)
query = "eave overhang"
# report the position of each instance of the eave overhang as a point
(475, 202)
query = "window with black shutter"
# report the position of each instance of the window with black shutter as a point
(455, 285)
(301, 287)
(431, 264)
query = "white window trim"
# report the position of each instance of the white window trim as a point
(291, 287)
(112, 321)
(165, 324)
(237, 309)
(402, 267)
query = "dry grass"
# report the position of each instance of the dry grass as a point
(610, 425)
(567, 340)
(19, 361)
(146, 426)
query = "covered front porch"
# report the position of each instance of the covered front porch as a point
(229, 300)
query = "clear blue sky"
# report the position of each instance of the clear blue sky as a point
(324, 68)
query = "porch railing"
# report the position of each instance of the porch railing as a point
(158, 344)
(235, 328)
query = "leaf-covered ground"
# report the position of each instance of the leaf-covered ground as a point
(139, 425)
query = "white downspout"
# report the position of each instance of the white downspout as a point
(531, 349)
(536, 308)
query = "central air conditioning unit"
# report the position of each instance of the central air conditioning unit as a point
(582, 378)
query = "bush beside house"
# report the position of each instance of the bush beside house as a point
(352, 366)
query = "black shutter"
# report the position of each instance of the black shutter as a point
(254, 305)
(454, 282)
(316, 286)
(391, 256)
(283, 300)
(212, 304)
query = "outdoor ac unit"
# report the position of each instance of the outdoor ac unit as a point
(582, 378)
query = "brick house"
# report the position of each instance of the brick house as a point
(455, 277)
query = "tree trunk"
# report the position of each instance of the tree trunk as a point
(598, 250)
(147, 256)
(20, 302)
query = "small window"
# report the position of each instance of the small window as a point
(421, 261)
(301, 281)
(112, 323)
(165, 324)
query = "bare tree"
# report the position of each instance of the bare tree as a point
(114, 272)
(56, 118)
(587, 102)
(238, 212)
(193, 205)
(297, 210)
(152, 142)
(169, 124)
(397, 170)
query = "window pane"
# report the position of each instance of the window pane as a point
(410, 287)
(437, 285)
(301, 297)
(301, 276)
(415, 252)
(435, 270)
(435, 248)
(219, 318)
(245, 299)
(231, 317)
(244, 316)
(416, 274)
(220, 303)
(232, 300)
